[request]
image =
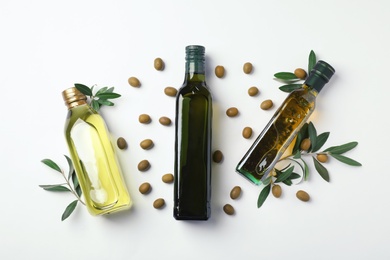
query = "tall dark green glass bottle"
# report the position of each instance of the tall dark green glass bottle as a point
(284, 126)
(192, 188)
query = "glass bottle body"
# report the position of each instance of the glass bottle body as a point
(277, 135)
(192, 187)
(95, 161)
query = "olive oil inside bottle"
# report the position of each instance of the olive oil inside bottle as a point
(192, 188)
(95, 161)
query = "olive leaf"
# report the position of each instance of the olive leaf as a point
(69, 210)
(83, 89)
(345, 160)
(65, 187)
(290, 87)
(52, 165)
(305, 170)
(341, 148)
(312, 135)
(263, 195)
(312, 61)
(321, 170)
(321, 140)
(70, 167)
(54, 187)
(284, 175)
(286, 76)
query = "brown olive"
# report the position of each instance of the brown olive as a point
(134, 82)
(145, 188)
(167, 178)
(266, 104)
(170, 91)
(232, 112)
(228, 209)
(322, 157)
(217, 156)
(144, 119)
(305, 144)
(165, 120)
(247, 132)
(276, 191)
(300, 73)
(143, 165)
(146, 144)
(303, 195)
(219, 71)
(235, 192)
(247, 68)
(159, 203)
(159, 64)
(121, 142)
(253, 91)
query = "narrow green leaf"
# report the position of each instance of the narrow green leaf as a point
(297, 155)
(287, 182)
(76, 185)
(83, 89)
(341, 148)
(105, 102)
(69, 210)
(55, 187)
(95, 105)
(321, 170)
(312, 135)
(321, 140)
(305, 171)
(110, 90)
(108, 95)
(52, 165)
(312, 61)
(294, 176)
(346, 160)
(284, 175)
(285, 75)
(290, 87)
(263, 195)
(70, 166)
(102, 90)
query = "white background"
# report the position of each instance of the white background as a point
(46, 46)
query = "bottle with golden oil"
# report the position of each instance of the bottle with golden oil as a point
(284, 126)
(94, 157)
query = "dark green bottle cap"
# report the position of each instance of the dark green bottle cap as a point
(195, 58)
(321, 73)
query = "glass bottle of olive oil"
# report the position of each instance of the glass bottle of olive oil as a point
(192, 187)
(93, 157)
(284, 126)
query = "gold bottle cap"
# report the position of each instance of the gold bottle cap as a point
(73, 97)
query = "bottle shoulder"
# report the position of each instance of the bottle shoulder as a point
(194, 88)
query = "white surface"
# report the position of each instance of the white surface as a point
(46, 46)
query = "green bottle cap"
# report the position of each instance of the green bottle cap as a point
(321, 73)
(195, 58)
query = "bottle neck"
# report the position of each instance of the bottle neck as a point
(195, 63)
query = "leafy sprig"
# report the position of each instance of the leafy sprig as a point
(298, 157)
(291, 81)
(71, 185)
(100, 98)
